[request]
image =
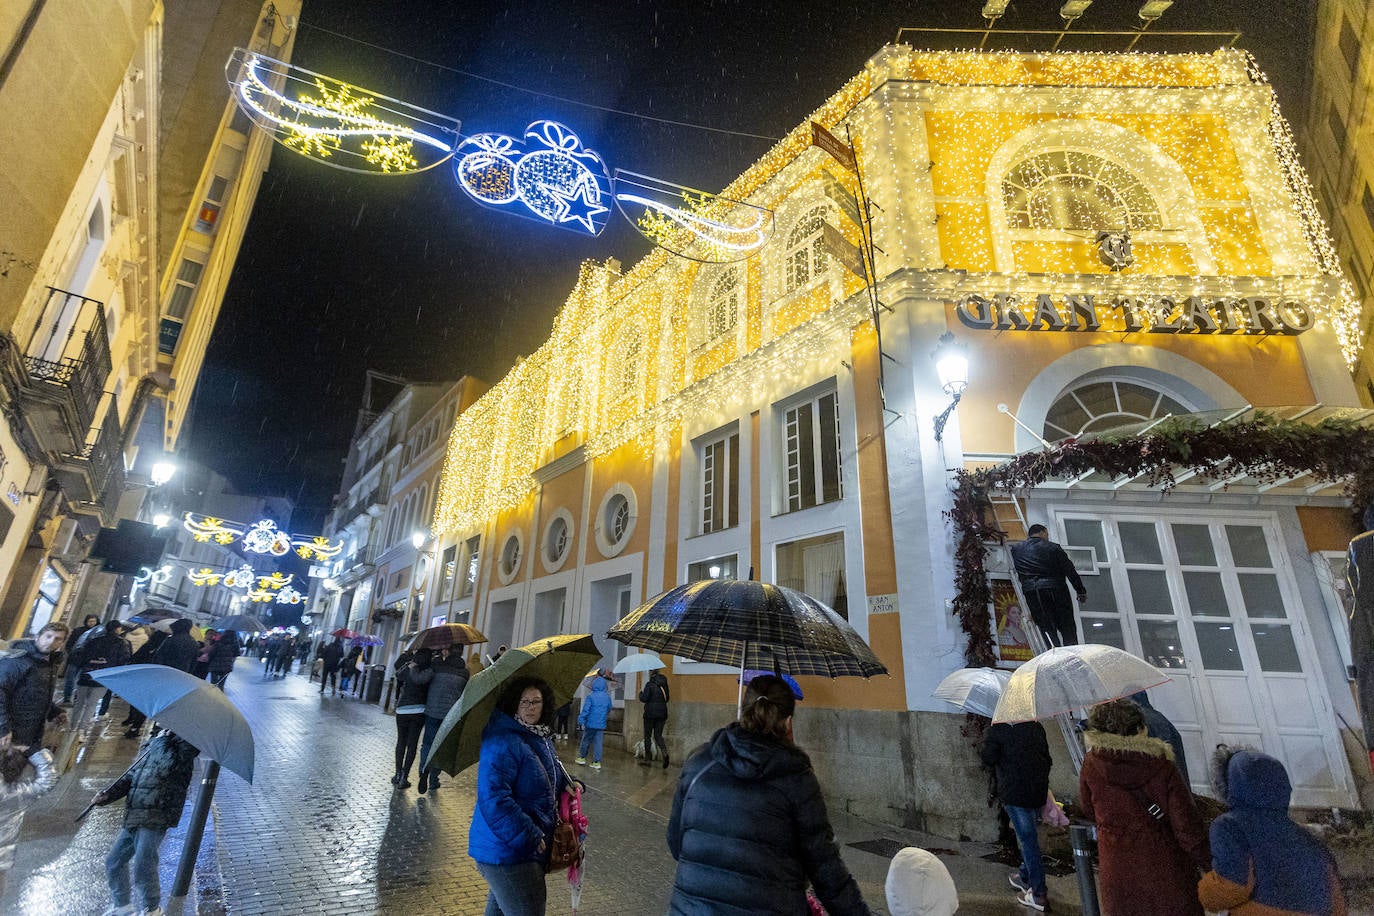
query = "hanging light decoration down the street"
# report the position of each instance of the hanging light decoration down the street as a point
(337, 123)
(263, 536)
(690, 223)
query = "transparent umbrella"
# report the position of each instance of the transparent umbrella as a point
(1069, 677)
(974, 690)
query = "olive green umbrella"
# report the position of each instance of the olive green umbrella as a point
(562, 661)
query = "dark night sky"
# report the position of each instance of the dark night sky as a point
(342, 272)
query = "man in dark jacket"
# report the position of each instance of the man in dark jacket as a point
(74, 658)
(1157, 725)
(749, 827)
(180, 649)
(28, 676)
(654, 696)
(445, 689)
(1020, 755)
(155, 788)
(332, 655)
(108, 649)
(1043, 568)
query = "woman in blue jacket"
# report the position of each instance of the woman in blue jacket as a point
(592, 721)
(518, 781)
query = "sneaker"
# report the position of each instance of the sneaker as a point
(581, 761)
(1018, 882)
(1029, 899)
(596, 765)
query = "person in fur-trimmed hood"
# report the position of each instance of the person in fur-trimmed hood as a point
(1263, 864)
(1151, 843)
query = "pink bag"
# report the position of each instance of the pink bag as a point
(1052, 814)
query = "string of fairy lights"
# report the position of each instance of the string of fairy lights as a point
(577, 382)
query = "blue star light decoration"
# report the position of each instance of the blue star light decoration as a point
(549, 176)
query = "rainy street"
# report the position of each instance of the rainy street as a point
(322, 830)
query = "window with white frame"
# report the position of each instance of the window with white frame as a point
(1104, 404)
(472, 557)
(811, 451)
(815, 565)
(714, 568)
(719, 482)
(1072, 190)
(804, 257)
(557, 540)
(722, 305)
(448, 563)
(184, 288)
(510, 557)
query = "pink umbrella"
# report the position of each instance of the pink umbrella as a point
(570, 810)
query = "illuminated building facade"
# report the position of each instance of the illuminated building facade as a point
(1340, 112)
(108, 175)
(686, 421)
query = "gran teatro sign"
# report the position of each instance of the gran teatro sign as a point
(1128, 314)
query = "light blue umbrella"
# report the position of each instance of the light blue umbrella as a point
(193, 709)
(639, 661)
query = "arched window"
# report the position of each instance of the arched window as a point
(1099, 405)
(1074, 191)
(722, 305)
(804, 259)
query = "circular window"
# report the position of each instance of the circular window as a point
(615, 521)
(557, 540)
(509, 564)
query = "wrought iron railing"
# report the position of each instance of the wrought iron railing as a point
(83, 373)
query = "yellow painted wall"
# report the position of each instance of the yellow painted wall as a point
(1326, 528)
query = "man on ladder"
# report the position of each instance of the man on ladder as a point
(1046, 571)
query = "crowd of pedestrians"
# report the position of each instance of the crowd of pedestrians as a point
(775, 853)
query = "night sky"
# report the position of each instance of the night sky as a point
(342, 272)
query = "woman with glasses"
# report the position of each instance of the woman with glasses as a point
(518, 781)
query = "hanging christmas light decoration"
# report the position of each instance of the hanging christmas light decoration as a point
(263, 536)
(204, 576)
(289, 595)
(689, 223)
(240, 578)
(549, 176)
(275, 581)
(337, 123)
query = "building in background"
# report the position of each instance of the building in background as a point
(128, 182)
(1340, 118)
(1114, 238)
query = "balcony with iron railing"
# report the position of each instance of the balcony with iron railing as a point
(54, 387)
(93, 478)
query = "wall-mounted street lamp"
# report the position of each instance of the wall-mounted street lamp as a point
(162, 519)
(162, 472)
(951, 366)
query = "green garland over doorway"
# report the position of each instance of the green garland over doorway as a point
(1260, 446)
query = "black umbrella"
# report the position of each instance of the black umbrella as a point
(752, 625)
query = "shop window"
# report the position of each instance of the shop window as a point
(714, 568)
(811, 452)
(1102, 405)
(1072, 190)
(804, 259)
(720, 483)
(815, 566)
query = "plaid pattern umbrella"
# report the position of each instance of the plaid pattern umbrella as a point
(749, 625)
(446, 635)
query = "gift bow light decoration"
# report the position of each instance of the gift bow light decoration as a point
(263, 536)
(547, 175)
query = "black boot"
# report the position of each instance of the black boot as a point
(665, 760)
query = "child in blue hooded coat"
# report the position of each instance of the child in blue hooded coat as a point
(1262, 862)
(592, 721)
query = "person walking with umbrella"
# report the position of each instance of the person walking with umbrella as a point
(1149, 834)
(223, 654)
(413, 674)
(331, 657)
(654, 696)
(518, 781)
(155, 790)
(777, 835)
(445, 690)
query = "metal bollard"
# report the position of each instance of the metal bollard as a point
(1084, 848)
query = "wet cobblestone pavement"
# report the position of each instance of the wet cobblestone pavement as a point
(322, 831)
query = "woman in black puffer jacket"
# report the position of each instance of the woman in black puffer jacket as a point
(749, 829)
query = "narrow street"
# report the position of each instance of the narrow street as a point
(321, 830)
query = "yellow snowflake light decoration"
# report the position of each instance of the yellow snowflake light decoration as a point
(206, 528)
(274, 581)
(391, 154)
(318, 548)
(204, 576)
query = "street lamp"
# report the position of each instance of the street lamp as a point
(161, 519)
(951, 365)
(162, 472)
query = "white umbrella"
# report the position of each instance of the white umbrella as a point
(1068, 677)
(639, 661)
(974, 690)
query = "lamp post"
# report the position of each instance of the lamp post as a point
(951, 366)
